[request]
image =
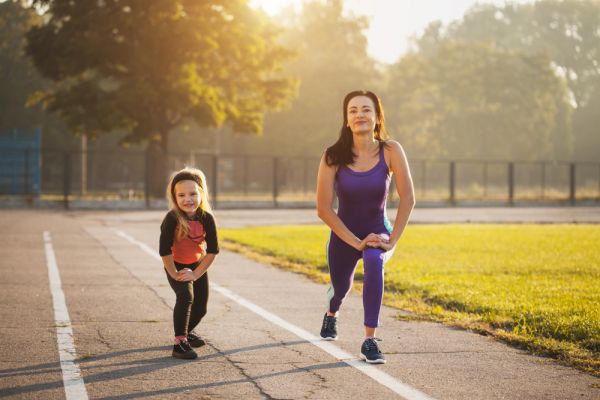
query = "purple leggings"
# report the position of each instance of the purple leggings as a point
(342, 259)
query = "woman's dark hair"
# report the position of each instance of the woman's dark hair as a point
(340, 153)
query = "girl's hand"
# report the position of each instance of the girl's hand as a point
(186, 275)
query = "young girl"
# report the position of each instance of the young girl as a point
(188, 246)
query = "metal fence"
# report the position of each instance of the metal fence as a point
(121, 180)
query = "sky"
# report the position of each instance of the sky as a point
(392, 22)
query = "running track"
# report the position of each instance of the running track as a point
(86, 313)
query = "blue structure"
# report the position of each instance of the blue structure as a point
(20, 162)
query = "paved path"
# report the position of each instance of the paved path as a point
(119, 305)
(239, 218)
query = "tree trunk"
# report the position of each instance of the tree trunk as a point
(157, 168)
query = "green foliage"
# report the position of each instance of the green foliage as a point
(476, 101)
(531, 284)
(145, 67)
(18, 77)
(332, 60)
(585, 123)
(21, 83)
(564, 31)
(511, 81)
(567, 31)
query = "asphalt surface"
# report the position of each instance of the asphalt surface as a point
(240, 218)
(120, 308)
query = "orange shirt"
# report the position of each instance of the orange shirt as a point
(201, 238)
(189, 249)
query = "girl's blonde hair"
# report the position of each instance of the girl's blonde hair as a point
(187, 174)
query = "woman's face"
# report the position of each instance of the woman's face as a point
(187, 195)
(361, 115)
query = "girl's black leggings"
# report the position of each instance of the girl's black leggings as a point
(192, 298)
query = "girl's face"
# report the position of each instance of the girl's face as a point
(361, 115)
(187, 195)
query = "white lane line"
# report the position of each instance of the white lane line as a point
(72, 381)
(392, 383)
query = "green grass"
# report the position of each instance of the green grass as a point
(535, 286)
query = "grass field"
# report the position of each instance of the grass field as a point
(535, 286)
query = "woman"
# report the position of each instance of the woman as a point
(358, 169)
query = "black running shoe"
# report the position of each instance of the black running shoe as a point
(370, 352)
(184, 351)
(329, 328)
(195, 340)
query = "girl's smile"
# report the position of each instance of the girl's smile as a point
(187, 194)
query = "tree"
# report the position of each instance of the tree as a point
(18, 77)
(332, 61)
(476, 101)
(146, 66)
(566, 31)
(19, 80)
(586, 122)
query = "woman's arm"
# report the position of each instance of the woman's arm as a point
(406, 193)
(325, 196)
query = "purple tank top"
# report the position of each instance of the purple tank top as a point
(362, 198)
